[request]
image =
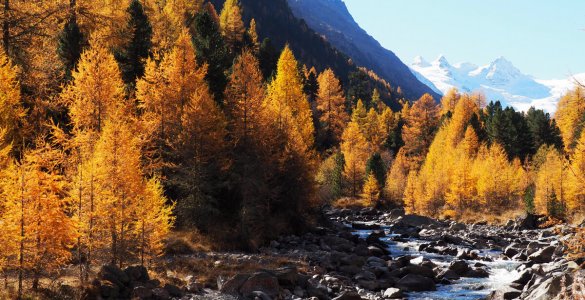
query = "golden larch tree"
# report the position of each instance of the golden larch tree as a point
(154, 220)
(396, 179)
(355, 151)
(331, 105)
(288, 101)
(254, 39)
(569, 116)
(576, 186)
(244, 97)
(371, 191)
(231, 24)
(421, 122)
(551, 184)
(96, 88)
(35, 206)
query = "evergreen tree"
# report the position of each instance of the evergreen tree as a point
(375, 165)
(137, 49)
(211, 50)
(543, 130)
(70, 45)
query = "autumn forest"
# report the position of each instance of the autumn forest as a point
(124, 122)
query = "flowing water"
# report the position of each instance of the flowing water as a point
(502, 272)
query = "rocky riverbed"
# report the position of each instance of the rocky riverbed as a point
(368, 254)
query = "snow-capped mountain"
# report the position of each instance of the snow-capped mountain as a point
(499, 80)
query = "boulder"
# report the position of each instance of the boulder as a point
(413, 221)
(392, 293)
(141, 292)
(542, 256)
(232, 286)
(174, 291)
(114, 275)
(418, 270)
(109, 290)
(506, 293)
(448, 274)
(549, 288)
(319, 291)
(525, 276)
(364, 226)
(510, 251)
(137, 273)
(263, 282)
(459, 267)
(348, 296)
(287, 276)
(477, 273)
(416, 283)
(160, 294)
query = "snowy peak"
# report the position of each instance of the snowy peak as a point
(420, 62)
(499, 80)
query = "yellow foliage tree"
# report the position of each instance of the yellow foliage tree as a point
(231, 24)
(501, 190)
(421, 121)
(570, 110)
(41, 232)
(360, 115)
(449, 101)
(154, 220)
(371, 192)
(461, 191)
(288, 102)
(253, 34)
(331, 105)
(96, 88)
(243, 100)
(11, 111)
(551, 184)
(355, 151)
(396, 179)
(576, 178)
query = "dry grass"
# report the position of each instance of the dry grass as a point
(351, 203)
(492, 219)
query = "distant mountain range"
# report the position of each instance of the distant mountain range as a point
(334, 22)
(499, 80)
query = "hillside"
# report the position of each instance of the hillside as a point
(332, 19)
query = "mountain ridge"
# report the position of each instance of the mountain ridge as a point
(498, 80)
(332, 19)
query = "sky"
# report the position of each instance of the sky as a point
(543, 38)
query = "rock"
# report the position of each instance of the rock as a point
(261, 281)
(392, 293)
(451, 239)
(348, 296)
(449, 275)
(137, 273)
(418, 270)
(193, 287)
(413, 221)
(174, 291)
(457, 226)
(416, 283)
(371, 285)
(232, 286)
(375, 251)
(114, 275)
(477, 273)
(525, 276)
(160, 294)
(319, 291)
(260, 295)
(287, 276)
(549, 288)
(506, 293)
(141, 292)
(363, 226)
(543, 255)
(529, 222)
(459, 267)
(109, 290)
(510, 251)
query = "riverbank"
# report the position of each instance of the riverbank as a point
(368, 254)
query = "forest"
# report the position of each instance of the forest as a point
(122, 122)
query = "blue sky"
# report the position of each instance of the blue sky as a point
(543, 38)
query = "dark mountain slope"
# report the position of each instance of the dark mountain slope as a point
(275, 20)
(332, 19)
